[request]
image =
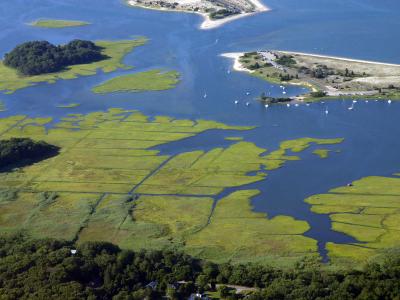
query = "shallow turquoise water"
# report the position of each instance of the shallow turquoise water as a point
(363, 29)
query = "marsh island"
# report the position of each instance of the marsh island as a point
(54, 23)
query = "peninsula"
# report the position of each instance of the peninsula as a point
(215, 12)
(325, 76)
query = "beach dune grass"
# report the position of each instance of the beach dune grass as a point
(153, 80)
(57, 23)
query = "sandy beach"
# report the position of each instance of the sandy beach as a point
(237, 66)
(209, 23)
(341, 58)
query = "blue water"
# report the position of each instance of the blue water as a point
(363, 29)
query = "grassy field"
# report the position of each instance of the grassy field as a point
(10, 80)
(107, 184)
(369, 210)
(49, 23)
(238, 234)
(153, 80)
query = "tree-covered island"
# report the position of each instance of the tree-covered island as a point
(40, 57)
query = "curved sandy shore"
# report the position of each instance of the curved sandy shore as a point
(208, 23)
(237, 66)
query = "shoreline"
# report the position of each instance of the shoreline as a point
(237, 66)
(340, 58)
(208, 23)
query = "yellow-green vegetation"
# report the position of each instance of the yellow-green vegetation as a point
(368, 210)
(152, 222)
(153, 80)
(70, 105)
(53, 23)
(234, 138)
(237, 233)
(107, 183)
(208, 173)
(323, 153)
(115, 51)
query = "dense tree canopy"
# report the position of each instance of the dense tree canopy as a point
(21, 151)
(39, 57)
(49, 269)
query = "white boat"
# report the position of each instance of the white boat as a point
(236, 101)
(205, 95)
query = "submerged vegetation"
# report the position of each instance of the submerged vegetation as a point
(323, 153)
(40, 57)
(69, 105)
(113, 51)
(53, 23)
(109, 184)
(56, 269)
(153, 80)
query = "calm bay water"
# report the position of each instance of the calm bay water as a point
(364, 29)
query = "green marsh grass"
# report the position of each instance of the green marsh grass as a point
(54, 23)
(153, 80)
